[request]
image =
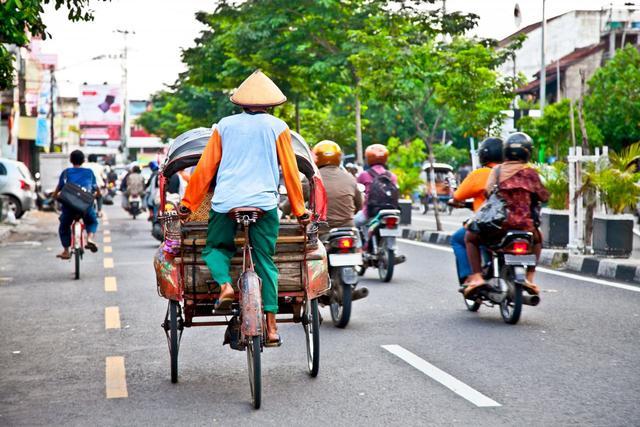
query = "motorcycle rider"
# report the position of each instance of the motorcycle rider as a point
(376, 156)
(521, 189)
(473, 187)
(134, 183)
(243, 154)
(343, 197)
(84, 178)
(151, 189)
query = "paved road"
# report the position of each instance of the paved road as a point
(572, 360)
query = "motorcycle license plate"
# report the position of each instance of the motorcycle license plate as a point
(390, 232)
(341, 260)
(519, 259)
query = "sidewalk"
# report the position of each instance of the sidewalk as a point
(34, 225)
(625, 269)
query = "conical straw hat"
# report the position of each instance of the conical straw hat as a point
(258, 90)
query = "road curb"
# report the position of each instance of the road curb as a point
(606, 268)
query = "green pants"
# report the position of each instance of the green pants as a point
(221, 248)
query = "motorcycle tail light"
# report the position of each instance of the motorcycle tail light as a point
(24, 185)
(391, 221)
(346, 243)
(520, 248)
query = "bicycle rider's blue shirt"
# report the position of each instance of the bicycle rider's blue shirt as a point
(80, 176)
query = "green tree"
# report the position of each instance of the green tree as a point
(613, 101)
(405, 160)
(451, 155)
(553, 130)
(22, 19)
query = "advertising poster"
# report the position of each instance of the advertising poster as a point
(100, 115)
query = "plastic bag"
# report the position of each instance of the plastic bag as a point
(168, 277)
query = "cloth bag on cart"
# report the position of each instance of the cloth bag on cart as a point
(168, 279)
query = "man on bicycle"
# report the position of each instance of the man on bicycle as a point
(84, 178)
(243, 154)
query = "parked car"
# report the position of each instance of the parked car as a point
(18, 185)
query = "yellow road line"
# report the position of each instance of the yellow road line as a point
(107, 249)
(108, 263)
(106, 232)
(112, 318)
(106, 239)
(110, 284)
(116, 378)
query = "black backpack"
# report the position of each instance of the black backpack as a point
(383, 193)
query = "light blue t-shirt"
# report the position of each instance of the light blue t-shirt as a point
(248, 174)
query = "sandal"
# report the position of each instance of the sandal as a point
(471, 288)
(269, 343)
(91, 246)
(64, 256)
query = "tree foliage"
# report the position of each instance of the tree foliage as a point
(22, 19)
(405, 160)
(552, 131)
(324, 54)
(613, 102)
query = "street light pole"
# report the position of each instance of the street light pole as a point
(52, 102)
(124, 134)
(543, 69)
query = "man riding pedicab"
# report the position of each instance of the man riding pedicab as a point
(243, 155)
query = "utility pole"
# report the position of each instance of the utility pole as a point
(543, 69)
(124, 133)
(52, 102)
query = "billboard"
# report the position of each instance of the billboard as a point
(100, 105)
(100, 115)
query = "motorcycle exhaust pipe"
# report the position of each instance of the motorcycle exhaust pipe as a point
(399, 259)
(530, 300)
(359, 294)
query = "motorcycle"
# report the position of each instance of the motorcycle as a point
(505, 274)
(380, 245)
(135, 205)
(344, 257)
(44, 198)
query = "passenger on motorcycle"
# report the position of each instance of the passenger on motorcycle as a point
(376, 155)
(343, 197)
(522, 191)
(473, 187)
(84, 178)
(243, 155)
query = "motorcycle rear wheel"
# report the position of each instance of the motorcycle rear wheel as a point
(472, 305)
(511, 306)
(341, 301)
(386, 262)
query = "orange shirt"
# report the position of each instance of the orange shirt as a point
(473, 187)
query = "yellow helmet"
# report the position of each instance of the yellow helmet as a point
(327, 153)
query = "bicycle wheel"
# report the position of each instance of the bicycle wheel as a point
(76, 256)
(255, 371)
(174, 339)
(311, 325)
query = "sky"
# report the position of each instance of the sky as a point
(164, 27)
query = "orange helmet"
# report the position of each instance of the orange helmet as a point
(376, 154)
(327, 153)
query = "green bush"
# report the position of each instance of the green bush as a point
(556, 180)
(619, 180)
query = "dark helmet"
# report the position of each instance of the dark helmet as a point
(490, 151)
(518, 146)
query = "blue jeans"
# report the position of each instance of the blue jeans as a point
(460, 251)
(66, 219)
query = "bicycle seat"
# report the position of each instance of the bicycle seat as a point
(252, 214)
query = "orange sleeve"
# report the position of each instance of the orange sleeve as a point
(290, 172)
(473, 185)
(203, 174)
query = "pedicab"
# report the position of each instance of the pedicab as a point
(184, 279)
(445, 185)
